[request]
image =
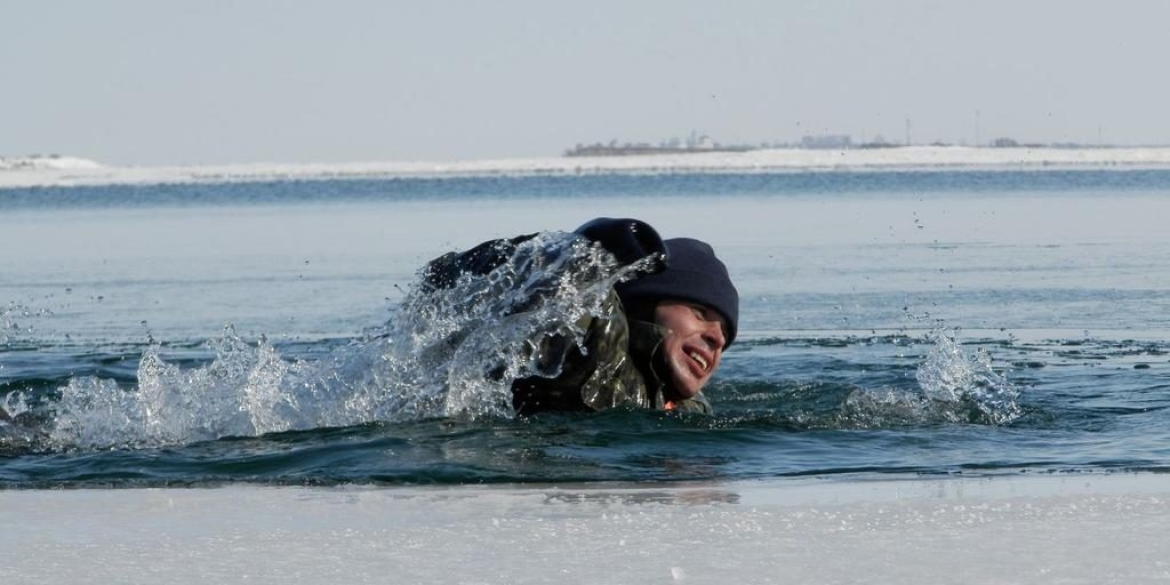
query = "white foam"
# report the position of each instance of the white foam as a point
(65, 171)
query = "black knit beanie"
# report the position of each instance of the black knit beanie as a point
(692, 273)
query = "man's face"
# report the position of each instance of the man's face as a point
(693, 346)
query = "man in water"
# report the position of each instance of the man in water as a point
(658, 339)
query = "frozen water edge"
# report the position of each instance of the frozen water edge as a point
(1074, 528)
(773, 160)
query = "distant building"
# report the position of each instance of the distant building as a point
(694, 143)
(826, 141)
(703, 142)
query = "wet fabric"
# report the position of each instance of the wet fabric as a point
(612, 367)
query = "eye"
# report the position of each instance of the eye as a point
(706, 313)
(710, 315)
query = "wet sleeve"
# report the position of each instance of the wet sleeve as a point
(629, 240)
(595, 375)
(442, 272)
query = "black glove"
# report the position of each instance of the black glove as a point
(629, 240)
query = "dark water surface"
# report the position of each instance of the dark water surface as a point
(631, 185)
(917, 323)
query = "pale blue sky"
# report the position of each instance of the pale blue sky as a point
(167, 82)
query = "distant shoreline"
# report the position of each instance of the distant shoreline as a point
(69, 171)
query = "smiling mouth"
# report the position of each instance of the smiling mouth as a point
(699, 359)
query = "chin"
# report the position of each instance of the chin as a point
(684, 389)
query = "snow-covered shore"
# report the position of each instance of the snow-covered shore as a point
(50, 162)
(67, 171)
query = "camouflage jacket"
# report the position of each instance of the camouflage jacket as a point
(614, 367)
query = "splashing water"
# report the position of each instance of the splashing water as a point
(10, 327)
(950, 376)
(445, 353)
(954, 386)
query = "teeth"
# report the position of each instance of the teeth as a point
(699, 358)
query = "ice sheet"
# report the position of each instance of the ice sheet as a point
(1054, 529)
